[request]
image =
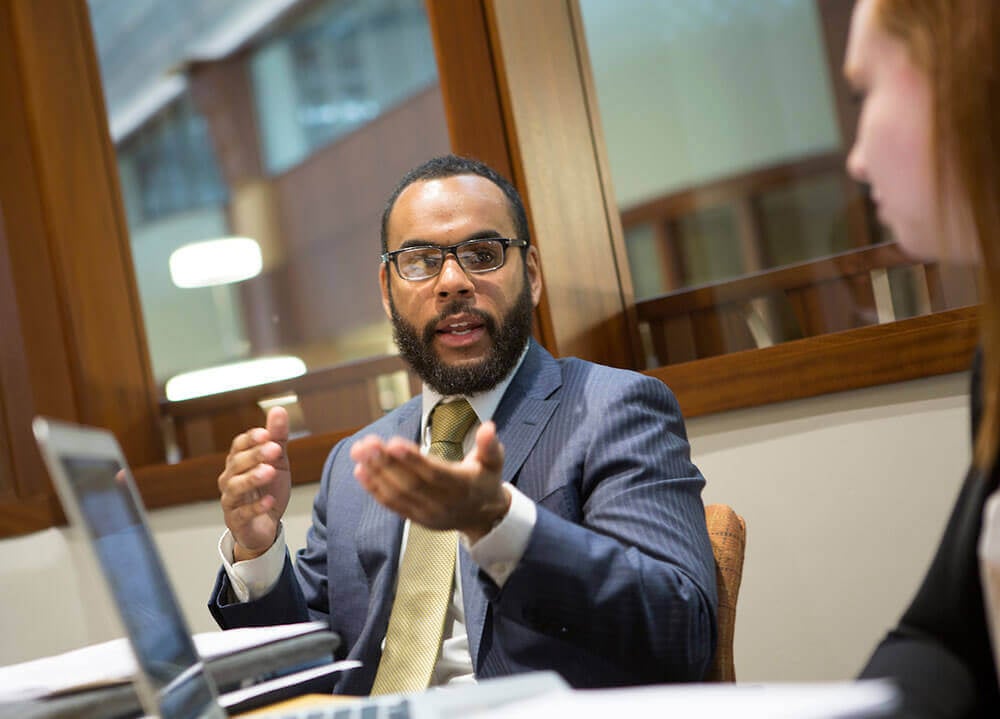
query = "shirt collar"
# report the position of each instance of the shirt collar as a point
(485, 403)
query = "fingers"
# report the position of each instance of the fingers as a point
(398, 476)
(247, 487)
(277, 427)
(251, 449)
(242, 514)
(253, 462)
(489, 450)
(434, 492)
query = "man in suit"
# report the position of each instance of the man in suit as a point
(575, 514)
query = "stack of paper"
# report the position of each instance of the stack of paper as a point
(103, 672)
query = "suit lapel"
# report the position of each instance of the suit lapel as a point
(525, 410)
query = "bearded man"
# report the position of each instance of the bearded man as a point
(522, 513)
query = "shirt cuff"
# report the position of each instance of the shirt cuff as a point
(253, 578)
(498, 552)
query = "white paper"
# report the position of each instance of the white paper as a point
(867, 698)
(289, 680)
(113, 662)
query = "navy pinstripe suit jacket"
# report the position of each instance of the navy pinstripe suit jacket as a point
(617, 584)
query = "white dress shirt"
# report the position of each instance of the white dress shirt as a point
(497, 553)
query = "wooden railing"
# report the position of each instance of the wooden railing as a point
(743, 194)
(333, 399)
(844, 291)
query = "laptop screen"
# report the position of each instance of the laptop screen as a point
(138, 582)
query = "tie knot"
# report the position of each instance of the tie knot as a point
(450, 422)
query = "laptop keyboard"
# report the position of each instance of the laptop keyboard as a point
(455, 701)
(390, 708)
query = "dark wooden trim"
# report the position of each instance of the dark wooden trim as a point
(71, 233)
(10, 376)
(171, 485)
(468, 82)
(471, 95)
(31, 514)
(556, 155)
(910, 349)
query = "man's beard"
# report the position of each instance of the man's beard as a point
(509, 339)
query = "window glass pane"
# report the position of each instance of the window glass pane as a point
(168, 166)
(804, 220)
(338, 68)
(644, 260)
(287, 122)
(727, 124)
(709, 245)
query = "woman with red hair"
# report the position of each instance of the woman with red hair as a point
(928, 143)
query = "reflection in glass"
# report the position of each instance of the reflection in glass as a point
(287, 122)
(336, 69)
(727, 124)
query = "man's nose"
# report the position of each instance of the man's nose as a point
(453, 280)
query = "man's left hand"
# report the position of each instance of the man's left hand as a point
(468, 495)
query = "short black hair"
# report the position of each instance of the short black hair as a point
(451, 166)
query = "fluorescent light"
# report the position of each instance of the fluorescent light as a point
(237, 375)
(215, 262)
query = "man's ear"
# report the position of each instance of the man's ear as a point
(534, 268)
(383, 281)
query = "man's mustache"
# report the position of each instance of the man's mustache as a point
(458, 307)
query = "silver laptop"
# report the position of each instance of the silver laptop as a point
(99, 496)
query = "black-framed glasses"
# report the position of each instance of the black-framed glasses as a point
(425, 261)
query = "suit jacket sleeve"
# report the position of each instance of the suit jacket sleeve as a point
(939, 653)
(617, 584)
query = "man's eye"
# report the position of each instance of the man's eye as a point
(479, 256)
(429, 261)
(420, 261)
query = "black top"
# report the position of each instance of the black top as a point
(940, 652)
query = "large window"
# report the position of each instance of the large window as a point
(727, 127)
(287, 123)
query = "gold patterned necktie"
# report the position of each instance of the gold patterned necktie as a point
(426, 574)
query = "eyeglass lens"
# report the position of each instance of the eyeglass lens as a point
(422, 262)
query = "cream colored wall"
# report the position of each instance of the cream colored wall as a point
(844, 498)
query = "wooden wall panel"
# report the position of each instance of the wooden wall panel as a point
(8, 318)
(517, 91)
(543, 73)
(469, 90)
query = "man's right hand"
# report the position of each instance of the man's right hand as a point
(255, 486)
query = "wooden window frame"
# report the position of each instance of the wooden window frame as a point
(518, 94)
(536, 52)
